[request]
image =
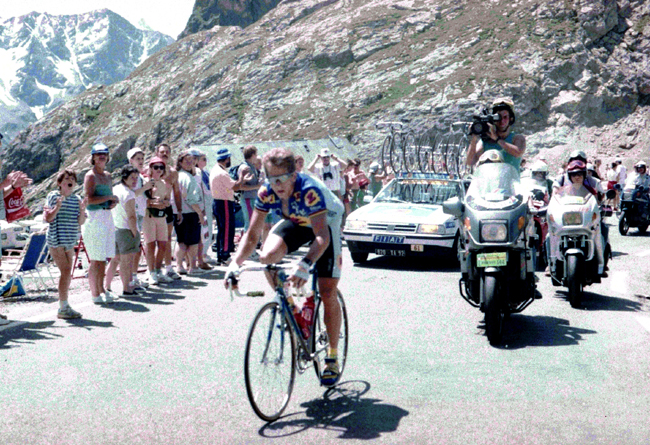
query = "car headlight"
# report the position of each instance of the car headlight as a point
(432, 229)
(494, 232)
(572, 219)
(356, 225)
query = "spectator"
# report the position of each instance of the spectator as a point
(358, 180)
(99, 229)
(621, 170)
(249, 188)
(14, 180)
(376, 178)
(188, 230)
(300, 163)
(205, 204)
(127, 235)
(164, 152)
(223, 189)
(136, 159)
(327, 167)
(65, 212)
(597, 166)
(155, 221)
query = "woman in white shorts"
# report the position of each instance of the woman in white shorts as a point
(99, 230)
(155, 221)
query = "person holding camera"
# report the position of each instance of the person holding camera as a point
(328, 170)
(495, 133)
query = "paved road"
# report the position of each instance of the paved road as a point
(167, 368)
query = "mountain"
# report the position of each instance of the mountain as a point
(577, 70)
(45, 60)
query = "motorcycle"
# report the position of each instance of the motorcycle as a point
(635, 210)
(538, 203)
(579, 252)
(495, 250)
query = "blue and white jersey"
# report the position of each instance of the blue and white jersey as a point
(310, 197)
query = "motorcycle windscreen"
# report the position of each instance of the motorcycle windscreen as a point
(494, 186)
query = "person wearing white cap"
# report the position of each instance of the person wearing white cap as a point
(328, 170)
(99, 229)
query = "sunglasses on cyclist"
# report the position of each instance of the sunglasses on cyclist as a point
(279, 179)
(158, 167)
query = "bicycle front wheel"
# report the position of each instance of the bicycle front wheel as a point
(270, 363)
(320, 340)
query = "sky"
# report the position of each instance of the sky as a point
(166, 16)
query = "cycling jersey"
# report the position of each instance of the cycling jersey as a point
(310, 198)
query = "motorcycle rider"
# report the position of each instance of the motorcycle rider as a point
(640, 178)
(579, 185)
(539, 172)
(562, 180)
(500, 137)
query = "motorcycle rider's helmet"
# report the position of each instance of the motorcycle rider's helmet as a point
(539, 169)
(641, 166)
(577, 167)
(591, 168)
(578, 154)
(504, 103)
(490, 156)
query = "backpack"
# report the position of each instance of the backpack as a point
(233, 171)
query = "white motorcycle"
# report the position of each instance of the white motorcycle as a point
(579, 253)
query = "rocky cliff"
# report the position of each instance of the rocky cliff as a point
(46, 60)
(577, 70)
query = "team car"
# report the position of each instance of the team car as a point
(405, 219)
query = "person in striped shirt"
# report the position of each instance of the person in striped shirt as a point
(65, 212)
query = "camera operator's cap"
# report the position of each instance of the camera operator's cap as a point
(576, 166)
(196, 152)
(325, 153)
(99, 149)
(222, 154)
(134, 151)
(489, 157)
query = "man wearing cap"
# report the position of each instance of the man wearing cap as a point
(223, 189)
(135, 157)
(327, 171)
(164, 152)
(249, 188)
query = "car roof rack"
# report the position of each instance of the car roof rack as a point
(421, 175)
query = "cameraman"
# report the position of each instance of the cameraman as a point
(499, 136)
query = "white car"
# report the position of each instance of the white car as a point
(405, 219)
(14, 235)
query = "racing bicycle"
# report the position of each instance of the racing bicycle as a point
(276, 347)
(399, 149)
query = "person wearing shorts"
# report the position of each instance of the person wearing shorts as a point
(164, 151)
(98, 230)
(188, 230)
(311, 214)
(155, 221)
(127, 235)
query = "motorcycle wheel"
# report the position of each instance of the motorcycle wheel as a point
(574, 281)
(494, 316)
(643, 228)
(623, 225)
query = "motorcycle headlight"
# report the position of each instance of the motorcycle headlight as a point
(432, 229)
(494, 232)
(356, 225)
(572, 219)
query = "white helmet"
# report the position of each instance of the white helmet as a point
(640, 164)
(539, 167)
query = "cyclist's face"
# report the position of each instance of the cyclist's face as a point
(282, 182)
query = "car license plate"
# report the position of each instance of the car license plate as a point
(417, 248)
(388, 239)
(494, 259)
(390, 252)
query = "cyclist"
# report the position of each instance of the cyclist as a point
(500, 137)
(311, 213)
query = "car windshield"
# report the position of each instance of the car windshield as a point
(493, 184)
(418, 191)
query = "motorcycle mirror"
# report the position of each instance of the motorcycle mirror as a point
(453, 207)
(611, 194)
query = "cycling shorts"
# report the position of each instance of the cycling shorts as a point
(295, 236)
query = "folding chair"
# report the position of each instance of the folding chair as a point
(27, 264)
(77, 263)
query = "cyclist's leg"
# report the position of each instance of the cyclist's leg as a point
(327, 287)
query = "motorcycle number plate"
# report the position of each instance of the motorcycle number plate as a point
(493, 259)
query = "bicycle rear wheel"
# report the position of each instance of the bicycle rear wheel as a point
(410, 150)
(320, 339)
(385, 152)
(396, 154)
(269, 363)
